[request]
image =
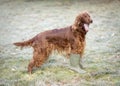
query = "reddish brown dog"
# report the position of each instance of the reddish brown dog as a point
(70, 39)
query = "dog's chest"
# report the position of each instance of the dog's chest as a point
(78, 45)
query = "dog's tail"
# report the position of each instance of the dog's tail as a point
(24, 43)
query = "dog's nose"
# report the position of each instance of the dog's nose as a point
(91, 21)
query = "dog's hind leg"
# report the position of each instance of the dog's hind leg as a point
(37, 61)
(32, 62)
(31, 65)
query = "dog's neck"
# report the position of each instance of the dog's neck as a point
(80, 31)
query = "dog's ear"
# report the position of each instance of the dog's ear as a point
(77, 23)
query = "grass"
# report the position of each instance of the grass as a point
(14, 72)
(21, 20)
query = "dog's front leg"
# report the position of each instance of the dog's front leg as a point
(80, 63)
(76, 63)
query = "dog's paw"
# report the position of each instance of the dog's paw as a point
(76, 69)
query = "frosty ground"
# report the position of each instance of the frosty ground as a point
(23, 19)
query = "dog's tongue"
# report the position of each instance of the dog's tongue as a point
(86, 26)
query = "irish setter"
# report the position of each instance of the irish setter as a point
(70, 39)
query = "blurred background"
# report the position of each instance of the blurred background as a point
(23, 19)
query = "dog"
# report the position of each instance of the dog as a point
(70, 39)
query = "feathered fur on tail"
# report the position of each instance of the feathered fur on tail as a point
(24, 43)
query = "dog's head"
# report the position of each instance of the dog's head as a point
(83, 20)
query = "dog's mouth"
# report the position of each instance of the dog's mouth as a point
(86, 27)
